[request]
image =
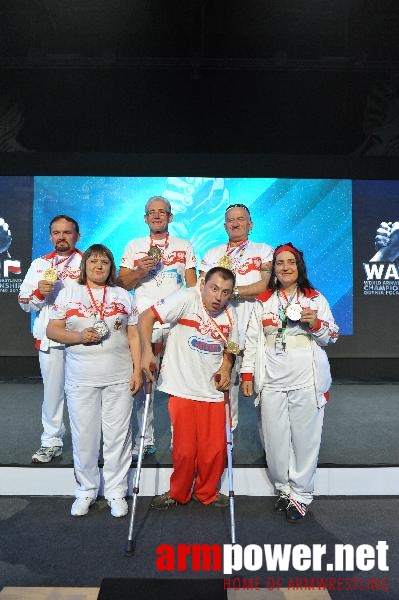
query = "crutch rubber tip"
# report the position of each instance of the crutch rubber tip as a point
(130, 547)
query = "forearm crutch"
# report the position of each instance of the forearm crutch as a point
(130, 546)
(229, 442)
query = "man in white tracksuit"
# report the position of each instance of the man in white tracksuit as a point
(155, 266)
(251, 263)
(46, 277)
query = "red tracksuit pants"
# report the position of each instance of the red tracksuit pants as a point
(199, 448)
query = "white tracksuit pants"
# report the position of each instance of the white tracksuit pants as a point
(235, 390)
(52, 367)
(92, 410)
(292, 426)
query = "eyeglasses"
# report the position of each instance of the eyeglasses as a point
(159, 213)
(238, 206)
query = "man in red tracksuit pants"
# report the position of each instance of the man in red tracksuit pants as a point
(201, 345)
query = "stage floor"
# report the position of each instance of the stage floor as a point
(360, 427)
(42, 545)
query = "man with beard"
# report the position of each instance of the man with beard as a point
(155, 266)
(46, 277)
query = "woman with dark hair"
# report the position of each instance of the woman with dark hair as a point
(97, 322)
(286, 364)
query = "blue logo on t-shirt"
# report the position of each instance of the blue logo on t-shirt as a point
(204, 346)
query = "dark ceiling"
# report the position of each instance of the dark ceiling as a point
(240, 76)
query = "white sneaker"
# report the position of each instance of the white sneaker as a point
(119, 507)
(46, 454)
(81, 506)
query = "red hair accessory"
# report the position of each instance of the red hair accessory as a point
(287, 248)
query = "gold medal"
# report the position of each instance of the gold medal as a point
(50, 275)
(156, 253)
(232, 347)
(226, 262)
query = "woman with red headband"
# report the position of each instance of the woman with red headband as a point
(286, 364)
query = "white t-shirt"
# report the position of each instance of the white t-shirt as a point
(194, 351)
(247, 264)
(167, 276)
(109, 361)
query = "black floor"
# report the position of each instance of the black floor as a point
(42, 545)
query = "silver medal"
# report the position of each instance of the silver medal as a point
(294, 312)
(101, 328)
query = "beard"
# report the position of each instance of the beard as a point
(63, 246)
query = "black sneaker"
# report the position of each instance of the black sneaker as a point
(296, 511)
(281, 503)
(163, 501)
(221, 501)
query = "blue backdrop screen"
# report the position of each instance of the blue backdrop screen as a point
(314, 214)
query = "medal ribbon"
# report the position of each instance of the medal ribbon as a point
(282, 312)
(162, 247)
(240, 249)
(54, 265)
(94, 302)
(282, 294)
(220, 332)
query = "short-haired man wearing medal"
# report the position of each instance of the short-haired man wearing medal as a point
(195, 370)
(45, 278)
(155, 266)
(251, 263)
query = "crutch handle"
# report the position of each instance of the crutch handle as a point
(226, 393)
(148, 383)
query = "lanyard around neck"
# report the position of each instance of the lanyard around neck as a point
(94, 304)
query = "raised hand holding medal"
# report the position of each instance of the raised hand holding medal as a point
(101, 328)
(155, 253)
(50, 275)
(46, 284)
(294, 311)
